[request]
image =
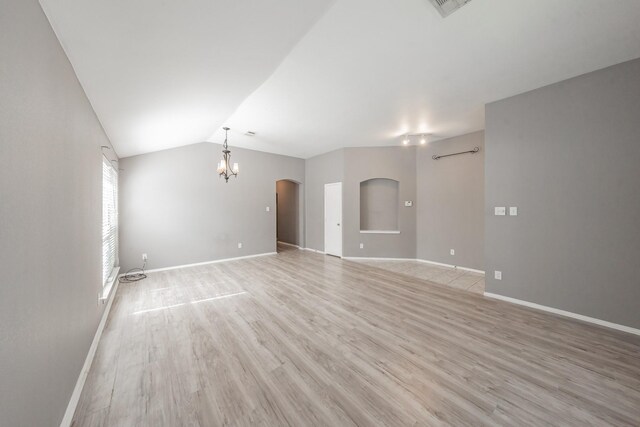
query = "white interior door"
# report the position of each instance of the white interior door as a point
(333, 219)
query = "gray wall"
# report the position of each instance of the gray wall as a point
(450, 208)
(50, 220)
(361, 164)
(288, 213)
(319, 170)
(568, 156)
(379, 204)
(175, 208)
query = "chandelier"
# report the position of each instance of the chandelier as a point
(223, 165)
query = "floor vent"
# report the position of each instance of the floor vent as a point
(447, 7)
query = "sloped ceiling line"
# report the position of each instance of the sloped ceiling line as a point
(311, 77)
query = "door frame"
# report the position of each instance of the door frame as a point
(324, 224)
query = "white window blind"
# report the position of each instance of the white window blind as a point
(109, 219)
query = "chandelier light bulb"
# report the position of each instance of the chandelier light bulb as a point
(423, 140)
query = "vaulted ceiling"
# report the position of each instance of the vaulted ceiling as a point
(166, 73)
(309, 77)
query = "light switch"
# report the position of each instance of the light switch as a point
(500, 210)
(513, 211)
(452, 251)
(361, 245)
(268, 209)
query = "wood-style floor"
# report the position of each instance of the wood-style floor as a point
(449, 276)
(304, 339)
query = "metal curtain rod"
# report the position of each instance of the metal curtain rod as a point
(475, 150)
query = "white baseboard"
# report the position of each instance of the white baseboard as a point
(84, 372)
(175, 267)
(565, 313)
(289, 244)
(363, 258)
(313, 250)
(471, 270)
(441, 264)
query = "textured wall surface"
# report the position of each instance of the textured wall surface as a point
(568, 156)
(320, 170)
(50, 220)
(361, 164)
(175, 208)
(450, 205)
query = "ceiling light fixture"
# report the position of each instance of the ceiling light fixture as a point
(223, 165)
(407, 138)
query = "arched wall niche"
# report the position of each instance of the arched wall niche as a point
(379, 202)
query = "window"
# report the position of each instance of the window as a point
(109, 221)
(379, 205)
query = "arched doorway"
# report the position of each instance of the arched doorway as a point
(288, 224)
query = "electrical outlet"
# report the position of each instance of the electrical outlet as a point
(498, 275)
(452, 251)
(500, 210)
(513, 211)
(239, 245)
(144, 257)
(361, 245)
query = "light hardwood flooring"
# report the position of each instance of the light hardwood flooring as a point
(304, 339)
(449, 276)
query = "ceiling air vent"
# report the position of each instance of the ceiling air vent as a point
(447, 7)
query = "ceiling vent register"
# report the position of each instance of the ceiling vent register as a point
(447, 7)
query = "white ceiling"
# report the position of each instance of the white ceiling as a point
(162, 74)
(165, 73)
